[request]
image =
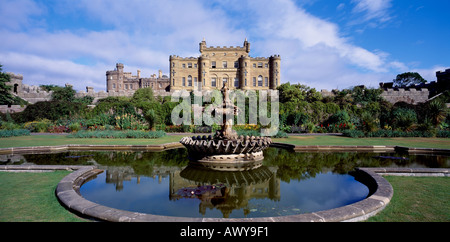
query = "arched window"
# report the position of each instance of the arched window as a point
(260, 81)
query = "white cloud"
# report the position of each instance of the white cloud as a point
(142, 35)
(373, 9)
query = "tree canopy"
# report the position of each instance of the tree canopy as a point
(408, 78)
(6, 97)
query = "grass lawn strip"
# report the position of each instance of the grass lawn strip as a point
(417, 199)
(30, 197)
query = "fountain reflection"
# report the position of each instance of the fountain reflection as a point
(225, 191)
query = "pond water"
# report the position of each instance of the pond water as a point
(163, 183)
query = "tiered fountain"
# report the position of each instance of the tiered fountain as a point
(226, 151)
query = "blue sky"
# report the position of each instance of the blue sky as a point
(325, 44)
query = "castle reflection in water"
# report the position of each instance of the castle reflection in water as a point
(224, 191)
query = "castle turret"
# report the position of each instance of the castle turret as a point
(245, 72)
(203, 71)
(275, 78)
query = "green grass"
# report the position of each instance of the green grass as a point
(50, 140)
(443, 143)
(30, 197)
(417, 199)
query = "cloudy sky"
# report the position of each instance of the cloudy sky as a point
(324, 44)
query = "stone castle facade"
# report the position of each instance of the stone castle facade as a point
(231, 66)
(125, 84)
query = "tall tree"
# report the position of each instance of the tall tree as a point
(408, 78)
(6, 97)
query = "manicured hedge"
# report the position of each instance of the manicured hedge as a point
(395, 133)
(118, 134)
(15, 132)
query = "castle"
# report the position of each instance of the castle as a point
(230, 66)
(125, 84)
(215, 67)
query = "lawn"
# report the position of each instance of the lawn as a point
(49, 140)
(30, 196)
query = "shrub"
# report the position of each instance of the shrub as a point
(354, 133)
(404, 118)
(16, 132)
(75, 127)
(443, 134)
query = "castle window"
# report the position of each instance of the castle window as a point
(131, 86)
(254, 81)
(260, 81)
(126, 86)
(173, 82)
(183, 81)
(189, 65)
(236, 64)
(160, 86)
(173, 64)
(190, 80)
(114, 85)
(254, 65)
(224, 64)
(184, 65)
(236, 82)
(213, 82)
(266, 65)
(267, 81)
(245, 81)
(213, 64)
(195, 65)
(260, 64)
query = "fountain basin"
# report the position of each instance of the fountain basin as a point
(243, 153)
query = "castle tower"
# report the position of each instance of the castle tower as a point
(244, 72)
(275, 63)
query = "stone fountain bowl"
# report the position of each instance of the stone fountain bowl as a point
(204, 146)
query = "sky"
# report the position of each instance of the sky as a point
(324, 44)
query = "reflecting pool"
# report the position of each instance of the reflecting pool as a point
(164, 183)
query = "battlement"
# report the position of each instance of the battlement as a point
(408, 95)
(176, 57)
(224, 48)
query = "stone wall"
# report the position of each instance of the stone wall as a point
(11, 109)
(411, 96)
(395, 95)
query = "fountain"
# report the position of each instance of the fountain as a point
(226, 151)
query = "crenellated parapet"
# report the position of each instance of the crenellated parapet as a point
(407, 95)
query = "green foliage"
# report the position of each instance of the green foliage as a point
(51, 110)
(66, 93)
(354, 133)
(408, 78)
(5, 96)
(404, 118)
(16, 132)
